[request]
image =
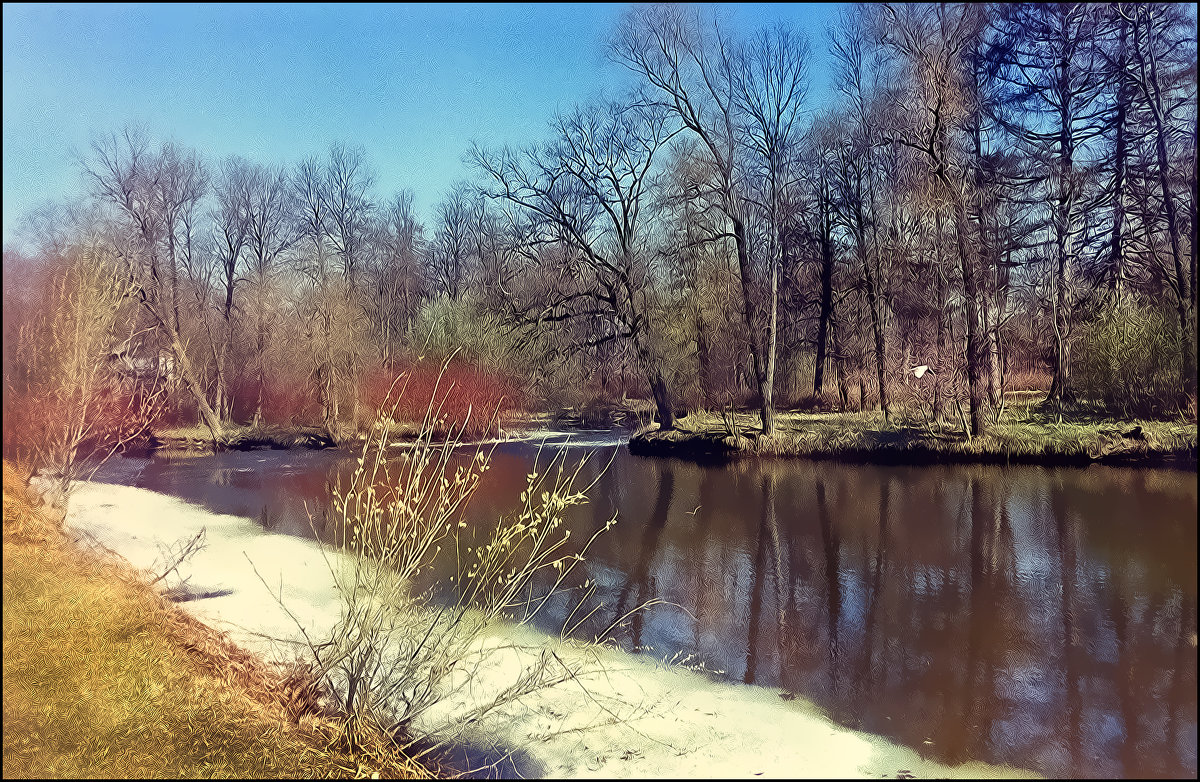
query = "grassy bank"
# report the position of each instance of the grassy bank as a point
(103, 677)
(1024, 434)
(240, 438)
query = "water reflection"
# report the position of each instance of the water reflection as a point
(1042, 618)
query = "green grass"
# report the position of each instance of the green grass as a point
(104, 678)
(1024, 434)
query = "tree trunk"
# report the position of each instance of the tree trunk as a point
(839, 362)
(766, 409)
(325, 384)
(328, 404)
(225, 407)
(992, 353)
(662, 400)
(876, 322)
(826, 308)
(262, 379)
(1182, 286)
(938, 400)
(1116, 249)
(975, 355)
(767, 386)
(188, 376)
(995, 376)
(1060, 386)
(872, 284)
(663, 403)
(703, 361)
(880, 349)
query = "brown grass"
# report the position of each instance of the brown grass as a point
(103, 677)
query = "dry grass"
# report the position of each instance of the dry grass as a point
(1024, 434)
(103, 677)
(242, 438)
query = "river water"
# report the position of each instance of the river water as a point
(1041, 618)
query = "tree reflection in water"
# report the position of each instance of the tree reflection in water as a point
(1037, 617)
(954, 595)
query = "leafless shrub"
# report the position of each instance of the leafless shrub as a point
(72, 405)
(398, 652)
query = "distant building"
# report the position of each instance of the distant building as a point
(143, 367)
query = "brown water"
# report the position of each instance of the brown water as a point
(1043, 618)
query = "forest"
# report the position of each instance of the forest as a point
(999, 200)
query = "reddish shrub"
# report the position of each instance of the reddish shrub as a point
(1034, 378)
(285, 402)
(25, 424)
(465, 398)
(118, 414)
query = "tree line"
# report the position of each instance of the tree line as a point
(998, 197)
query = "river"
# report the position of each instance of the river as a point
(1039, 618)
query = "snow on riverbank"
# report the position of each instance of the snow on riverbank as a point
(633, 717)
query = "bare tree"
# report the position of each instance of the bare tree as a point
(585, 190)
(450, 255)
(823, 142)
(857, 177)
(231, 220)
(312, 216)
(349, 207)
(270, 234)
(398, 279)
(152, 194)
(1051, 57)
(348, 183)
(770, 83)
(934, 44)
(690, 67)
(1160, 30)
(695, 254)
(493, 239)
(74, 370)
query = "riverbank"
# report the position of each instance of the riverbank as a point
(240, 437)
(103, 677)
(625, 716)
(237, 438)
(1023, 436)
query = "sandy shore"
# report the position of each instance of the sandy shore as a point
(629, 717)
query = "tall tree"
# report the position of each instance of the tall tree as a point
(313, 261)
(348, 183)
(586, 190)
(1161, 32)
(398, 279)
(1049, 53)
(823, 141)
(691, 67)
(857, 177)
(270, 234)
(231, 221)
(151, 194)
(934, 45)
(769, 86)
(450, 255)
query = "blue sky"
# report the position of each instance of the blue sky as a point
(413, 84)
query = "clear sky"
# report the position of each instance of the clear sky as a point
(413, 84)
